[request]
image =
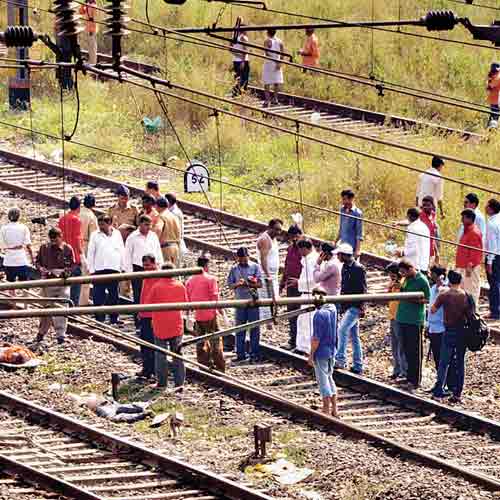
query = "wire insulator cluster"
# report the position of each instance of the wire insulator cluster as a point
(117, 25)
(67, 20)
(19, 36)
(440, 20)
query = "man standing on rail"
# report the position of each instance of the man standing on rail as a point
(268, 257)
(153, 189)
(456, 306)
(174, 208)
(493, 89)
(171, 232)
(89, 225)
(353, 282)
(245, 278)
(55, 259)
(123, 212)
(468, 261)
(272, 75)
(310, 53)
(141, 242)
(351, 223)
(168, 327)
(241, 64)
(428, 217)
(146, 319)
(327, 270)
(471, 201)
(493, 259)
(417, 248)
(322, 357)
(106, 255)
(411, 319)
(148, 208)
(71, 227)
(200, 288)
(291, 274)
(88, 10)
(431, 183)
(305, 285)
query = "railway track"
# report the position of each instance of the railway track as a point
(404, 423)
(75, 459)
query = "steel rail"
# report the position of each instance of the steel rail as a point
(189, 473)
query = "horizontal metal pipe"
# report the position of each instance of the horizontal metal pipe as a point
(223, 304)
(101, 278)
(246, 326)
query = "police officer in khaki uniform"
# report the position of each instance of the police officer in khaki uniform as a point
(171, 232)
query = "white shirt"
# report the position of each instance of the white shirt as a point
(138, 245)
(306, 279)
(417, 248)
(15, 234)
(178, 213)
(493, 237)
(238, 56)
(431, 186)
(106, 252)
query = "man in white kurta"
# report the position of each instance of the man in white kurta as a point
(306, 285)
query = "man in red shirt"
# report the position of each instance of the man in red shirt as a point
(204, 287)
(428, 217)
(146, 322)
(468, 262)
(71, 228)
(168, 327)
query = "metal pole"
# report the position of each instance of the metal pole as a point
(101, 278)
(19, 83)
(223, 304)
(247, 326)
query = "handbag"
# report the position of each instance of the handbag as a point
(476, 331)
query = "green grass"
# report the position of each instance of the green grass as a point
(262, 159)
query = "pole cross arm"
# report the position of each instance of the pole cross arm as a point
(314, 300)
(490, 33)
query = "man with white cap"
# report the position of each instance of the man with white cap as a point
(353, 282)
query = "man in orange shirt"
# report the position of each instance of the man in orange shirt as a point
(310, 53)
(71, 227)
(88, 10)
(468, 262)
(168, 327)
(204, 287)
(146, 321)
(493, 89)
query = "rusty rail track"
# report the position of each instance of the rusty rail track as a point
(75, 459)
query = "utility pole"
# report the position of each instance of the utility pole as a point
(19, 85)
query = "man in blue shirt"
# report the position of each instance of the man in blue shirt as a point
(492, 260)
(351, 225)
(322, 357)
(245, 278)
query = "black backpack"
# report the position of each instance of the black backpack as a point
(476, 331)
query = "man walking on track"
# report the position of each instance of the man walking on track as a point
(88, 10)
(200, 288)
(411, 319)
(322, 357)
(351, 223)
(241, 64)
(432, 184)
(171, 231)
(272, 75)
(269, 259)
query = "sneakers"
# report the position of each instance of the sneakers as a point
(455, 399)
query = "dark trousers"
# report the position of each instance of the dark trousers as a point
(436, 342)
(494, 291)
(161, 363)
(293, 292)
(412, 344)
(495, 111)
(147, 354)
(100, 289)
(76, 290)
(242, 73)
(136, 292)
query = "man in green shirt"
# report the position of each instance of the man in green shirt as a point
(411, 318)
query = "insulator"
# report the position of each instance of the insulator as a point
(117, 22)
(440, 20)
(19, 36)
(67, 20)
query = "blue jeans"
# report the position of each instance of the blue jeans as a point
(452, 346)
(247, 316)
(113, 297)
(494, 292)
(349, 327)
(400, 366)
(75, 290)
(323, 368)
(161, 363)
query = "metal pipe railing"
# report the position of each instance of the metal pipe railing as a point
(314, 300)
(101, 278)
